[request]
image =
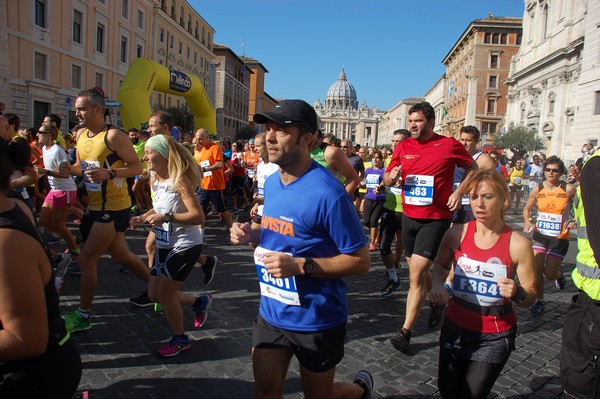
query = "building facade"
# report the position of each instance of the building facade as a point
(553, 86)
(342, 116)
(232, 92)
(476, 67)
(394, 119)
(436, 96)
(259, 100)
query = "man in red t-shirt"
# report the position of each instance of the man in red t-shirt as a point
(425, 164)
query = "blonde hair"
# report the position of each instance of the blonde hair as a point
(181, 163)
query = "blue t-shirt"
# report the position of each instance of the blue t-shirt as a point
(312, 217)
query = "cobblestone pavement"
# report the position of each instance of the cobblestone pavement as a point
(120, 360)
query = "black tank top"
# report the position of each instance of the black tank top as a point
(16, 219)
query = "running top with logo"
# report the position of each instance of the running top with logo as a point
(373, 178)
(551, 211)
(169, 235)
(427, 174)
(263, 170)
(311, 228)
(53, 157)
(213, 179)
(516, 177)
(476, 275)
(94, 152)
(535, 173)
(393, 194)
(459, 174)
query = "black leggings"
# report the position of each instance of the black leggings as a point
(391, 223)
(372, 212)
(466, 379)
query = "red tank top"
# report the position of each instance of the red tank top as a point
(476, 273)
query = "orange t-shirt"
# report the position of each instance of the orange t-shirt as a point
(208, 156)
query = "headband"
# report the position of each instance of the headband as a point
(160, 144)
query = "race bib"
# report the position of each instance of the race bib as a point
(549, 224)
(372, 180)
(418, 190)
(250, 172)
(464, 199)
(283, 290)
(517, 181)
(163, 233)
(532, 184)
(206, 164)
(89, 165)
(477, 282)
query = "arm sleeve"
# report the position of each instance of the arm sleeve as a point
(590, 187)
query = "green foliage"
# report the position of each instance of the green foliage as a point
(520, 140)
(182, 117)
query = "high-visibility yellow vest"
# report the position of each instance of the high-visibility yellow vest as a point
(586, 276)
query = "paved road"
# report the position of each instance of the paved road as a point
(119, 353)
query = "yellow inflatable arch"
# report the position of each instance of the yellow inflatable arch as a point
(144, 76)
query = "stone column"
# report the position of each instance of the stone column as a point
(471, 101)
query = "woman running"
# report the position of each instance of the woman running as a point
(375, 197)
(479, 330)
(553, 198)
(176, 217)
(37, 357)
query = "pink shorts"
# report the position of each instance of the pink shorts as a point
(61, 199)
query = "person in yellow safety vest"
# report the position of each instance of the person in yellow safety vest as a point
(580, 351)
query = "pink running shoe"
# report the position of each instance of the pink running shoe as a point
(202, 310)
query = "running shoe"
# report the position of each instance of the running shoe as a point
(158, 307)
(201, 309)
(436, 315)
(174, 346)
(390, 287)
(75, 322)
(401, 340)
(365, 380)
(538, 307)
(209, 269)
(61, 264)
(142, 300)
(561, 281)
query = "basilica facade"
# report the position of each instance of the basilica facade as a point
(342, 116)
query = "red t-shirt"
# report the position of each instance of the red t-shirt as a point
(481, 281)
(428, 174)
(237, 161)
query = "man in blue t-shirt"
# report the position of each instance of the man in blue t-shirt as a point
(304, 249)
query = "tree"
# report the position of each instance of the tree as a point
(520, 140)
(182, 117)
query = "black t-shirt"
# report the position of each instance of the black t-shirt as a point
(357, 163)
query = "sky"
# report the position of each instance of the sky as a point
(389, 49)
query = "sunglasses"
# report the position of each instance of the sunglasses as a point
(551, 170)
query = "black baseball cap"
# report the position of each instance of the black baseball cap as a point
(290, 113)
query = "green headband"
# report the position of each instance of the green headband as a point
(160, 144)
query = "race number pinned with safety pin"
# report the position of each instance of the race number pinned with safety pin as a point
(206, 164)
(477, 282)
(549, 224)
(283, 290)
(163, 233)
(418, 190)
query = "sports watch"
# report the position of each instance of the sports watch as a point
(308, 267)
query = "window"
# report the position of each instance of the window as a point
(180, 47)
(487, 37)
(490, 107)
(551, 102)
(493, 82)
(545, 21)
(77, 22)
(40, 13)
(40, 66)
(100, 38)
(488, 127)
(495, 38)
(140, 19)
(494, 61)
(503, 37)
(518, 39)
(195, 57)
(125, 9)
(123, 57)
(99, 79)
(188, 52)
(76, 76)
(139, 52)
(172, 40)
(162, 35)
(597, 104)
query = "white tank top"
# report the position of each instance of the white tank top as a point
(169, 235)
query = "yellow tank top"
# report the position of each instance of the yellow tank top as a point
(109, 195)
(516, 177)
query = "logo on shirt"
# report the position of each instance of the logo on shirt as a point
(276, 225)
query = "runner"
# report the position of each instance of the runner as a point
(479, 330)
(516, 183)
(375, 197)
(554, 199)
(175, 216)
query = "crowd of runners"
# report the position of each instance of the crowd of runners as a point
(433, 202)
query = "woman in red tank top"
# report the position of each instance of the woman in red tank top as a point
(479, 329)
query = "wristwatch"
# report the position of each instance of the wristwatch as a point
(308, 267)
(520, 295)
(168, 217)
(112, 174)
